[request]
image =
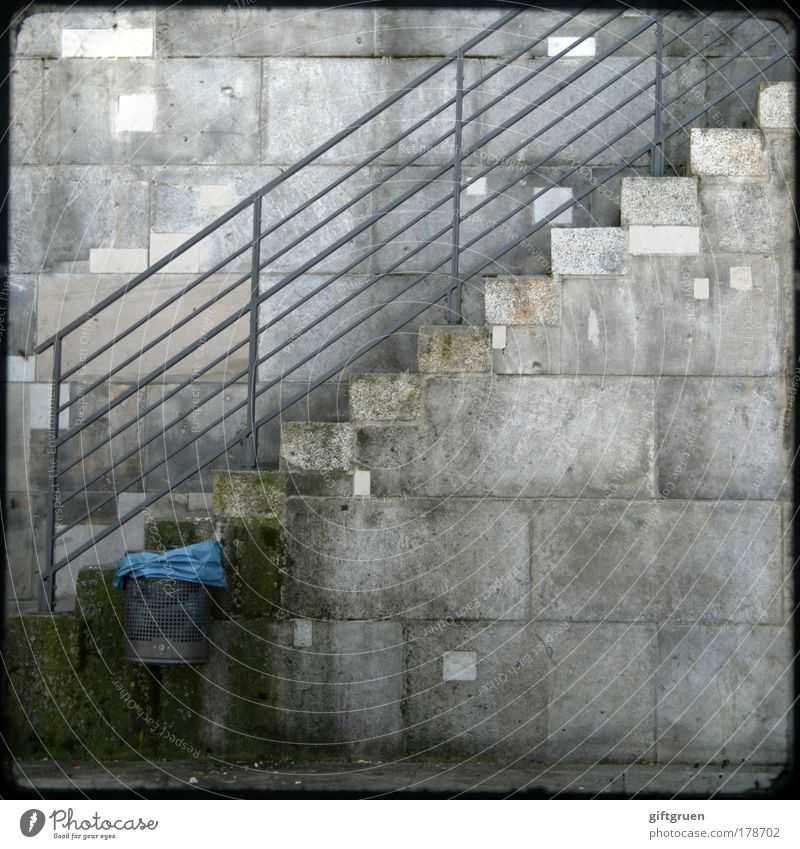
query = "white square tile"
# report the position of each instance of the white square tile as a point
(701, 288)
(136, 113)
(477, 188)
(741, 278)
(303, 633)
(162, 244)
(361, 483)
(499, 337)
(555, 44)
(459, 666)
(550, 200)
(216, 197)
(20, 369)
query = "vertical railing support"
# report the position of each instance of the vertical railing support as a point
(657, 153)
(47, 586)
(454, 296)
(251, 437)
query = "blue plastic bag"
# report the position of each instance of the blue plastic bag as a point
(200, 563)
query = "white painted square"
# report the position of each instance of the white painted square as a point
(644, 239)
(499, 337)
(361, 483)
(117, 260)
(20, 369)
(459, 666)
(136, 113)
(555, 44)
(162, 244)
(216, 197)
(39, 407)
(741, 278)
(303, 634)
(477, 188)
(106, 43)
(701, 288)
(551, 200)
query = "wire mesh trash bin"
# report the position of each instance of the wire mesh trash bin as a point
(166, 621)
(167, 602)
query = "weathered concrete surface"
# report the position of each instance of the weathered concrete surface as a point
(340, 697)
(520, 436)
(721, 437)
(723, 693)
(746, 217)
(681, 561)
(206, 110)
(777, 109)
(384, 397)
(357, 560)
(651, 322)
(499, 715)
(529, 350)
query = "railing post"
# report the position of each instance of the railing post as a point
(454, 295)
(251, 437)
(47, 587)
(657, 153)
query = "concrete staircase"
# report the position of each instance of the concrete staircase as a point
(563, 537)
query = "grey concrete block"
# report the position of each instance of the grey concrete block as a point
(181, 204)
(651, 322)
(724, 693)
(317, 447)
(745, 217)
(412, 558)
(720, 437)
(18, 311)
(472, 443)
(500, 715)
(23, 541)
(594, 250)
(384, 397)
(453, 350)
(777, 108)
(338, 91)
(242, 31)
(26, 81)
(529, 350)
(39, 33)
(522, 300)
(165, 473)
(338, 698)
(727, 153)
(301, 339)
(60, 215)
(64, 297)
(628, 561)
(660, 201)
(601, 692)
(206, 111)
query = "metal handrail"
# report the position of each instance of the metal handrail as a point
(452, 244)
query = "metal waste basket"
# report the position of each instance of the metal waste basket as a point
(166, 621)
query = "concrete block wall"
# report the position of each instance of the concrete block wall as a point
(579, 513)
(134, 128)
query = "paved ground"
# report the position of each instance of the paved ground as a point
(371, 779)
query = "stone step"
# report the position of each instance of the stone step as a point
(776, 109)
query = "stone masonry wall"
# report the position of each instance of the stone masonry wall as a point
(134, 128)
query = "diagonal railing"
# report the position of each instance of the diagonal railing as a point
(664, 116)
